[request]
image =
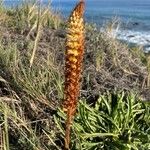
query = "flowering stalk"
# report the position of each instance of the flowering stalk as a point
(73, 66)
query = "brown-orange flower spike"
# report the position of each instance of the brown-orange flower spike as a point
(73, 66)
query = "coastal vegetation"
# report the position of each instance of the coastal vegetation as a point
(113, 110)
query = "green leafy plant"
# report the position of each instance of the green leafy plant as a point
(115, 121)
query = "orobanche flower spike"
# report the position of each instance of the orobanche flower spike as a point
(73, 65)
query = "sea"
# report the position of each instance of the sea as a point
(133, 16)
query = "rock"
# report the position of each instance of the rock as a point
(145, 95)
(60, 33)
(135, 24)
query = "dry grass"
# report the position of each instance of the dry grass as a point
(29, 97)
(112, 65)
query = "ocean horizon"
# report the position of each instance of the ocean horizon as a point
(133, 15)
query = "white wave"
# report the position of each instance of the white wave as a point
(135, 37)
(147, 49)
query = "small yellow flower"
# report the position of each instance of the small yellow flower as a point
(73, 52)
(72, 59)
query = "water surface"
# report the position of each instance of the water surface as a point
(134, 16)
